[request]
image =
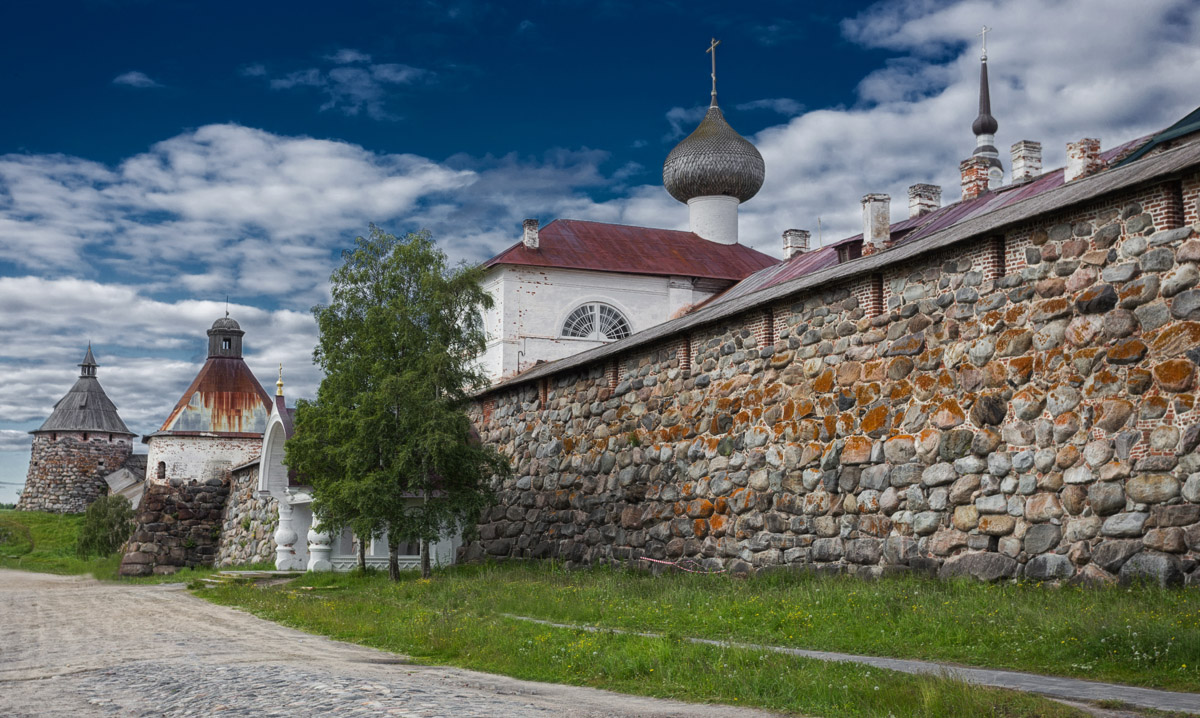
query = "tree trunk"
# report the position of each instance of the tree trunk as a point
(425, 570)
(393, 557)
(362, 555)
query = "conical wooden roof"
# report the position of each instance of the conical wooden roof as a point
(85, 407)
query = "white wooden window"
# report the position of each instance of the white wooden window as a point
(596, 321)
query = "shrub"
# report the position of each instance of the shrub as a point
(107, 525)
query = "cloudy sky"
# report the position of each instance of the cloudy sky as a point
(158, 157)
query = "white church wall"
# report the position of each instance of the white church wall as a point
(532, 303)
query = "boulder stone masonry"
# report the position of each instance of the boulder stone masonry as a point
(1029, 416)
(248, 524)
(178, 525)
(67, 470)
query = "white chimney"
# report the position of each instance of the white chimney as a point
(1083, 158)
(531, 233)
(923, 199)
(876, 222)
(1026, 160)
(795, 241)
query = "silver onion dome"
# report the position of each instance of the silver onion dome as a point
(713, 160)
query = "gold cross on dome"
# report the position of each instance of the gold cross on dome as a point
(983, 33)
(712, 49)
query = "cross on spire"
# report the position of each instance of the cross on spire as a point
(712, 50)
(983, 33)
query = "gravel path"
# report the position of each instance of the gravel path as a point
(74, 647)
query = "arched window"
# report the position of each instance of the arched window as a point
(596, 321)
(162, 471)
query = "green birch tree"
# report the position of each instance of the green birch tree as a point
(387, 445)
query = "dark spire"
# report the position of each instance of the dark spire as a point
(985, 124)
(88, 367)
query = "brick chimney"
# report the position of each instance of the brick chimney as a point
(1026, 160)
(795, 241)
(531, 234)
(974, 171)
(1083, 159)
(923, 199)
(876, 222)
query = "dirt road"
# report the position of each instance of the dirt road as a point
(71, 646)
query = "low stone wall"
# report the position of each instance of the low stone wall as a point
(1022, 405)
(178, 525)
(248, 524)
(66, 471)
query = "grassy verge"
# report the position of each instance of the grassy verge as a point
(1140, 635)
(453, 620)
(45, 542)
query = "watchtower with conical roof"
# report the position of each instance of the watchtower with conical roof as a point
(218, 423)
(83, 441)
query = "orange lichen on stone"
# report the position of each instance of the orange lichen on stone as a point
(1177, 339)
(924, 386)
(848, 373)
(948, 414)
(700, 528)
(823, 383)
(1019, 370)
(856, 450)
(866, 393)
(874, 370)
(899, 391)
(1175, 375)
(875, 422)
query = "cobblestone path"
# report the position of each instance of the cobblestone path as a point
(74, 647)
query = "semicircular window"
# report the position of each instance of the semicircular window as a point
(596, 321)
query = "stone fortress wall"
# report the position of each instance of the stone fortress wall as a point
(248, 523)
(67, 469)
(1019, 405)
(178, 526)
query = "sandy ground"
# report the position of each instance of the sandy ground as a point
(72, 646)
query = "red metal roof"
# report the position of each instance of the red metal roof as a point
(577, 244)
(913, 228)
(224, 398)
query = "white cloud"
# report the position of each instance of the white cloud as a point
(1057, 74)
(149, 350)
(353, 86)
(683, 120)
(14, 440)
(135, 78)
(346, 55)
(125, 254)
(782, 105)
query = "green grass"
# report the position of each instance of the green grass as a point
(455, 620)
(45, 542)
(1140, 635)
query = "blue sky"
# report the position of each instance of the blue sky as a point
(156, 157)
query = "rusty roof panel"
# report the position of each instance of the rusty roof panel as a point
(577, 244)
(224, 398)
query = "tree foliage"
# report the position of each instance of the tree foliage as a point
(387, 444)
(107, 525)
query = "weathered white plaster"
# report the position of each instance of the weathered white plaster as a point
(714, 217)
(198, 458)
